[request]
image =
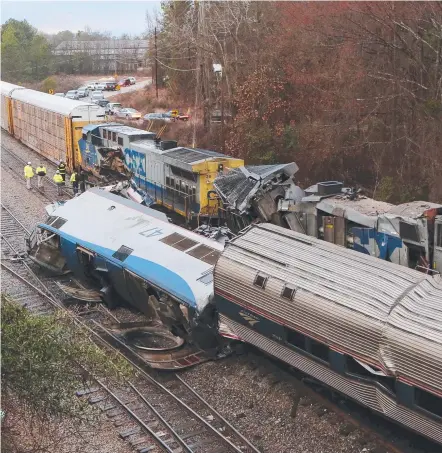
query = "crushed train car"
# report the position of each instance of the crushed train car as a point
(132, 254)
(409, 234)
(367, 328)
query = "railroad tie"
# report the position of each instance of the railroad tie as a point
(87, 391)
(129, 432)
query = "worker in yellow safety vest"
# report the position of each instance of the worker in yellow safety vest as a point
(59, 181)
(41, 173)
(75, 178)
(29, 173)
(62, 169)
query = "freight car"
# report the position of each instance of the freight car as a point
(50, 125)
(178, 178)
(367, 328)
(131, 253)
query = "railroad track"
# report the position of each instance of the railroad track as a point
(172, 418)
(14, 165)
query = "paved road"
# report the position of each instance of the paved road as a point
(138, 86)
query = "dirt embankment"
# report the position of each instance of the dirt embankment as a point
(190, 133)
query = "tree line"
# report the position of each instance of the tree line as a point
(349, 91)
(28, 55)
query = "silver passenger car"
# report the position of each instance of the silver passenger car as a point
(368, 328)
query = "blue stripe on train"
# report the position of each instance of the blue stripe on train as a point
(153, 273)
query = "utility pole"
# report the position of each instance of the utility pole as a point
(156, 63)
(222, 112)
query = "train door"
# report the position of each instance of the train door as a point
(437, 253)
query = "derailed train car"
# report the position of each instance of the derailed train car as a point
(369, 329)
(131, 253)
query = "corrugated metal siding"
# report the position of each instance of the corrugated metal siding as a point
(368, 394)
(40, 129)
(343, 298)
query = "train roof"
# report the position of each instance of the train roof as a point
(172, 258)
(362, 210)
(126, 130)
(354, 302)
(193, 155)
(414, 209)
(57, 104)
(8, 88)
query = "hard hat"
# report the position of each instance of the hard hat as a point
(58, 171)
(29, 163)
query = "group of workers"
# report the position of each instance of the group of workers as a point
(59, 178)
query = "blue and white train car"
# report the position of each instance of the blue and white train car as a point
(132, 254)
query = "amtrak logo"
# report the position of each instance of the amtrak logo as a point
(251, 319)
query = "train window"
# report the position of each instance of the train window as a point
(193, 193)
(319, 350)
(120, 141)
(296, 339)
(288, 292)
(84, 136)
(167, 181)
(104, 133)
(172, 183)
(114, 136)
(408, 231)
(429, 402)
(59, 223)
(122, 253)
(260, 280)
(439, 235)
(354, 367)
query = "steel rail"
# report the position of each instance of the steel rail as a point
(162, 419)
(22, 161)
(176, 398)
(157, 439)
(15, 218)
(59, 305)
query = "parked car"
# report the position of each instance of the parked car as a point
(133, 80)
(83, 92)
(167, 117)
(180, 116)
(124, 83)
(113, 107)
(59, 94)
(102, 102)
(72, 94)
(92, 85)
(101, 86)
(110, 86)
(128, 113)
(96, 96)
